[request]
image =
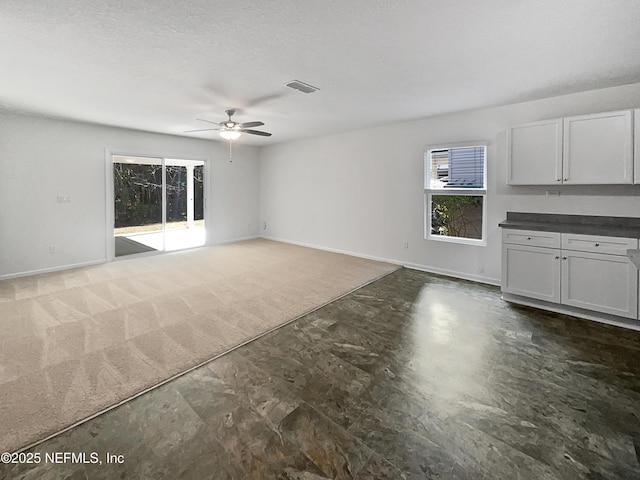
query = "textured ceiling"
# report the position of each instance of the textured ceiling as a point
(157, 65)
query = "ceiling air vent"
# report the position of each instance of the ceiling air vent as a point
(301, 86)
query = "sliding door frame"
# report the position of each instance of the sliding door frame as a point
(110, 254)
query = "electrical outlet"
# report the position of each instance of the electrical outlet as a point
(53, 249)
(64, 198)
(405, 244)
(264, 225)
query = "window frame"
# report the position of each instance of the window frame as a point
(471, 192)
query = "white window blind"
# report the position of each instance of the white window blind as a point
(466, 167)
(461, 167)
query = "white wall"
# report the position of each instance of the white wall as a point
(362, 191)
(43, 158)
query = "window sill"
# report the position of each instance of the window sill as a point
(463, 241)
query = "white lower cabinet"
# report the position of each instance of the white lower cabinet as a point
(581, 278)
(600, 282)
(532, 272)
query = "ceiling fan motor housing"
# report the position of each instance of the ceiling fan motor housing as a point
(230, 124)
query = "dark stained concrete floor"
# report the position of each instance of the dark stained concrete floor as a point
(415, 376)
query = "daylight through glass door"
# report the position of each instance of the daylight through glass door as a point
(158, 204)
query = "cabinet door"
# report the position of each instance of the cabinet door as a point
(531, 272)
(535, 153)
(598, 149)
(603, 283)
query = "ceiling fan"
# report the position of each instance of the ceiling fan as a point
(231, 130)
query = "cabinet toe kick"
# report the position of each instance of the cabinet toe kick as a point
(634, 256)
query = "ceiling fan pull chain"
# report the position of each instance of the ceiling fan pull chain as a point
(230, 152)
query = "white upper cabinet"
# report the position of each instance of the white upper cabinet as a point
(594, 149)
(598, 149)
(535, 153)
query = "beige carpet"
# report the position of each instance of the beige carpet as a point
(75, 342)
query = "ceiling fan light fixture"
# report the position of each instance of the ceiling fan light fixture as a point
(230, 134)
(230, 130)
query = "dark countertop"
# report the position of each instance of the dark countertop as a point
(580, 224)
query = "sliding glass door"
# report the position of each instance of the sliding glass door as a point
(184, 200)
(158, 204)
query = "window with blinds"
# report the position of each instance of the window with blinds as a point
(461, 167)
(455, 193)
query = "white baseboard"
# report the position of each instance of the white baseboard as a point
(233, 240)
(334, 250)
(413, 266)
(453, 273)
(104, 260)
(52, 269)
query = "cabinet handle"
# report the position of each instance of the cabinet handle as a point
(558, 179)
(557, 257)
(597, 244)
(566, 179)
(528, 238)
(564, 258)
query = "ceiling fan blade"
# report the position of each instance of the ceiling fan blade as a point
(201, 130)
(251, 124)
(263, 99)
(208, 121)
(256, 132)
